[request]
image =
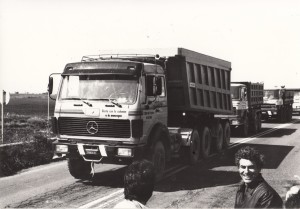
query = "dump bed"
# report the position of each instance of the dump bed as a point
(198, 83)
(255, 93)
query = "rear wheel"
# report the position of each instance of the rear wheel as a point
(205, 142)
(79, 168)
(218, 143)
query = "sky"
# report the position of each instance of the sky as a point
(261, 38)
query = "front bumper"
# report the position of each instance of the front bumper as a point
(100, 152)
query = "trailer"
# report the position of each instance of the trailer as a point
(119, 108)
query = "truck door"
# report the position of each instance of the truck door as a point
(157, 98)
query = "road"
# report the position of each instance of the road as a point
(210, 183)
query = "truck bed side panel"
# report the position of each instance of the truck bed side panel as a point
(198, 83)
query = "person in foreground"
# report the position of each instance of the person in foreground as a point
(254, 191)
(139, 180)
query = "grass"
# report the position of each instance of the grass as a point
(26, 123)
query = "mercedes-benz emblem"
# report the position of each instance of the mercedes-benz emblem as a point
(92, 127)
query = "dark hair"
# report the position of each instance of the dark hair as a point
(139, 180)
(250, 153)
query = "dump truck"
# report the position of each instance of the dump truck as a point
(278, 104)
(296, 102)
(119, 108)
(247, 98)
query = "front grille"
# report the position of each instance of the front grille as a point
(105, 127)
(268, 106)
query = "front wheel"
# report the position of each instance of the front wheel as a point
(259, 121)
(194, 149)
(244, 129)
(79, 168)
(219, 139)
(226, 140)
(158, 159)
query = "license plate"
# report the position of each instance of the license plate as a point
(92, 151)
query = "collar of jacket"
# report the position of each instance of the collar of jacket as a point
(252, 186)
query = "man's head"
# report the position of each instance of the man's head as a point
(249, 162)
(139, 180)
(293, 197)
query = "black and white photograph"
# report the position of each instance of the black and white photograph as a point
(150, 104)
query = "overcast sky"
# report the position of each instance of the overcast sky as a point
(38, 37)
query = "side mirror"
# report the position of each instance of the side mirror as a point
(53, 84)
(158, 82)
(150, 87)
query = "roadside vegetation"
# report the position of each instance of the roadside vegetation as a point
(26, 134)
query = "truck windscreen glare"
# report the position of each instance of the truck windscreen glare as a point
(271, 94)
(122, 88)
(235, 92)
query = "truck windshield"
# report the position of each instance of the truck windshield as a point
(271, 94)
(120, 88)
(235, 92)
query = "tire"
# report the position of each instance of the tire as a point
(205, 142)
(79, 168)
(259, 122)
(194, 149)
(244, 129)
(158, 158)
(255, 125)
(218, 142)
(282, 116)
(226, 134)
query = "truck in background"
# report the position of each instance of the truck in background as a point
(296, 103)
(278, 104)
(118, 108)
(247, 98)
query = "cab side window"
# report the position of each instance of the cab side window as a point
(155, 86)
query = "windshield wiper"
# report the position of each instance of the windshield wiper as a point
(76, 98)
(115, 103)
(87, 103)
(110, 100)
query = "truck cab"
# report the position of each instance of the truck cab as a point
(296, 104)
(277, 104)
(109, 99)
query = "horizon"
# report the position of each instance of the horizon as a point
(259, 38)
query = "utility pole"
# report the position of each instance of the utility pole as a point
(4, 99)
(2, 116)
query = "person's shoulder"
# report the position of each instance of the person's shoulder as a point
(129, 204)
(125, 204)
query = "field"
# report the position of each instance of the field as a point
(29, 104)
(27, 131)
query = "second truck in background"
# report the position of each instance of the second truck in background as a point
(247, 98)
(278, 104)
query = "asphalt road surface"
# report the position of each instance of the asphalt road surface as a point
(210, 183)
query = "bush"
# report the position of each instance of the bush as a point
(17, 157)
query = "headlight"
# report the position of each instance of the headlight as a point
(125, 152)
(60, 148)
